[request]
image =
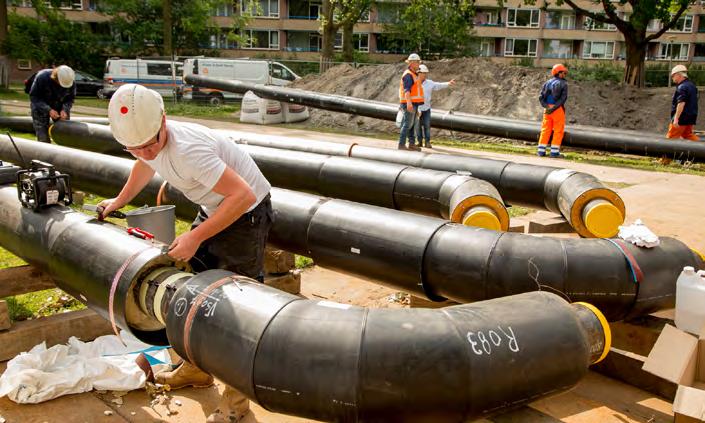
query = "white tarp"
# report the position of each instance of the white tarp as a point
(105, 364)
(260, 110)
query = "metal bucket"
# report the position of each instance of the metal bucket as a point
(160, 221)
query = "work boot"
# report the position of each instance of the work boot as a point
(185, 374)
(428, 145)
(414, 147)
(401, 147)
(232, 408)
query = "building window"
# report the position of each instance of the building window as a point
(699, 52)
(557, 49)
(21, 3)
(684, 24)
(486, 47)
(261, 8)
(365, 16)
(677, 51)
(223, 9)
(520, 48)
(24, 64)
(594, 25)
(361, 42)
(523, 18)
(654, 25)
(560, 20)
(598, 50)
(486, 18)
(262, 39)
(222, 41)
(338, 43)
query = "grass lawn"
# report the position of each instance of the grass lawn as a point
(226, 112)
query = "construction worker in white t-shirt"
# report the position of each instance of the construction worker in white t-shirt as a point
(230, 231)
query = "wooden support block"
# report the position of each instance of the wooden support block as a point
(519, 227)
(277, 262)
(289, 282)
(56, 329)
(416, 302)
(78, 197)
(549, 225)
(626, 366)
(5, 321)
(638, 335)
(23, 279)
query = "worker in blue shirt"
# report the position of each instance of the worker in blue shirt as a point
(554, 94)
(684, 106)
(51, 97)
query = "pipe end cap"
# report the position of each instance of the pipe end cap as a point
(603, 220)
(482, 218)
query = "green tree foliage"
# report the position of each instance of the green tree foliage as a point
(633, 28)
(141, 26)
(51, 39)
(337, 15)
(441, 28)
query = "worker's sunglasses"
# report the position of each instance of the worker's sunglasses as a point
(135, 149)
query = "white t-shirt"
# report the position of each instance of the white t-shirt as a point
(194, 158)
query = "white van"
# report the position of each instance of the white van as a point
(158, 75)
(252, 71)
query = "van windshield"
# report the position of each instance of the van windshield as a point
(280, 72)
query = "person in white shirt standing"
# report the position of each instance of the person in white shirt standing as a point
(230, 231)
(423, 129)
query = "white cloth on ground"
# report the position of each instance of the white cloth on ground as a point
(639, 235)
(45, 373)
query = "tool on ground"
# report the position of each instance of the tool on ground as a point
(98, 209)
(140, 233)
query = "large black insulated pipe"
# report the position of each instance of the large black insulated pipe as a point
(591, 208)
(582, 137)
(459, 198)
(311, 358)
(423, 255)
(24, 123)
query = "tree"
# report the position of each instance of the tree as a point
(168, 26)
(51, 39)
(634, 28)
(337, 14)
(435, 27)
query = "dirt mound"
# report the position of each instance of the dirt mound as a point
(487, 88)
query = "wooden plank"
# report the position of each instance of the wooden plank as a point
(626, 366)
(549, 225)
(23, 279)
(523, 414)
(416, 302)
(290, 282)
(278, 262)
(5, 321)
(638, 335)
(56, 329)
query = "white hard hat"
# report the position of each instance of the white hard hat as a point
(65, 75)
(412, 57)
(679, 68)
(135, 113)
(423, 69)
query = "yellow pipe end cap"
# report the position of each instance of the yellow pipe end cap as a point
(603, 220)
(482, 218)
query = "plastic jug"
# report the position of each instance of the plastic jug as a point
(690, 301)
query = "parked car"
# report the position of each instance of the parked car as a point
(86, 84)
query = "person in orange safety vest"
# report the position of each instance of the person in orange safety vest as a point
(554, 94)
(410, 98)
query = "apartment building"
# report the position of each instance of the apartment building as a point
(288, 29)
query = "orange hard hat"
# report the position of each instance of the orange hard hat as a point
(558, 68)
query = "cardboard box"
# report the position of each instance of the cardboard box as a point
(679, 357)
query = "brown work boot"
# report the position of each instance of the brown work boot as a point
(185, 374)
(233, 407)
(414, 147)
